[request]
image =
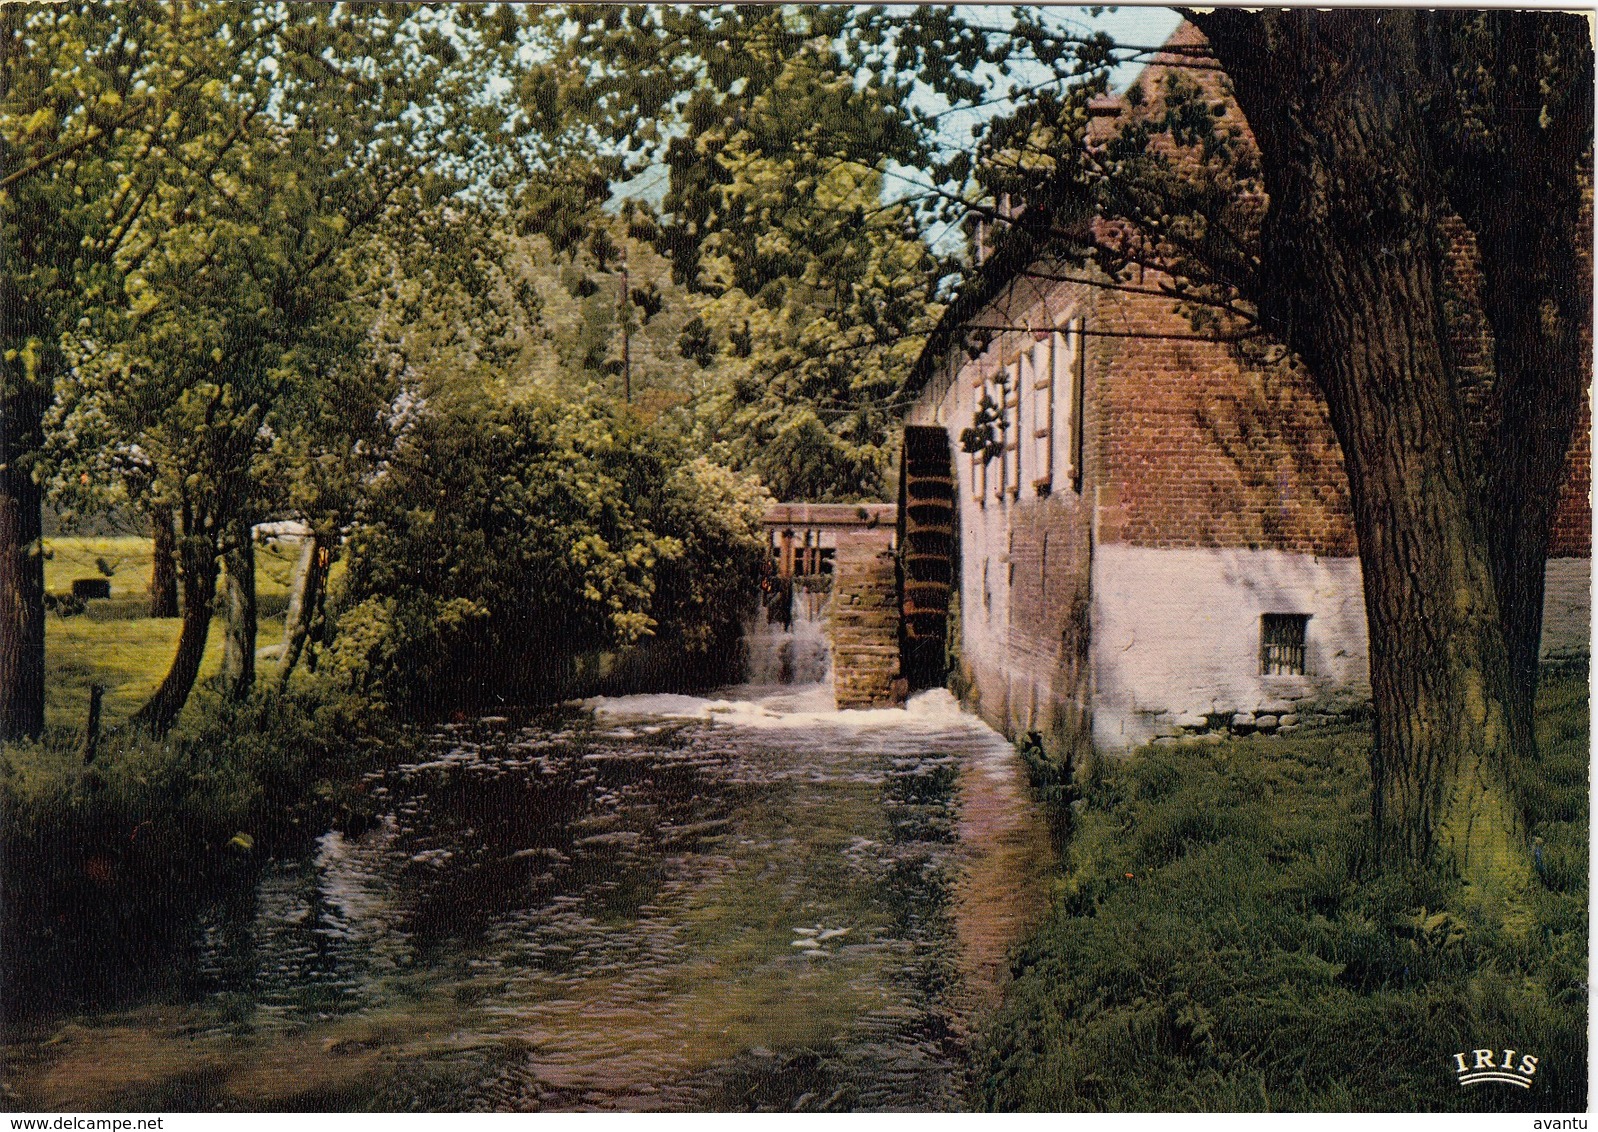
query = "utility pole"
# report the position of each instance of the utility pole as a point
(624, 306)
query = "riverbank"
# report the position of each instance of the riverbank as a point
(111, 859)
(1217, 943)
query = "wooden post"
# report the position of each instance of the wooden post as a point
(91, 736)
(785, 566)
(626, 333)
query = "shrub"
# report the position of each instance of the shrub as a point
(510, 538)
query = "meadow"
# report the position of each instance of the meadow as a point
(114, 642)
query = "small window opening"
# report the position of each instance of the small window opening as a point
(1282, 638)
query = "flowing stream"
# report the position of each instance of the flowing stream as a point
(747, 901)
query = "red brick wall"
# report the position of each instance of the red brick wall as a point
(1572, 533)
(1203, 450)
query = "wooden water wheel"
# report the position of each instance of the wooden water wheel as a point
(926, 552)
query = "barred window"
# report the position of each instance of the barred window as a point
(1282, 637)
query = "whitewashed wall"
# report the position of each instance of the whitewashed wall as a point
(1177, 632)
(1567, 608)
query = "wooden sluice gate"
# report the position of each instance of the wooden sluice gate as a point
(890, 572)
(848, 550)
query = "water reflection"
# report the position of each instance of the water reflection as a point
(651, 903)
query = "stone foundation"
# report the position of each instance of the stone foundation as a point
(864, 623)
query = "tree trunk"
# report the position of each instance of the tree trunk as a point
(21, 600)
(1353, 271)
(164, 566)
(299, 578)
(1528, 466)
(310, 603)
(1514, 117)
(200, 568)
(27, 371)
(238, 655)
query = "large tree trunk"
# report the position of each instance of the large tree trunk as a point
(1524, 475)
(238, 654)
(1353, 270)
(1513, 115)
(164, 564)
(200, 567)
(21, 598)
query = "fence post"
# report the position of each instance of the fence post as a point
(91, 736)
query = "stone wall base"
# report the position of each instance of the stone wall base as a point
(864, 624)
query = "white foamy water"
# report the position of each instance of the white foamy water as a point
(798, 653)
(780, 706)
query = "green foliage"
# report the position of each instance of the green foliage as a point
(1051, 781)
(508, 538)
(984, 437)
(93, 102)
(776, 129)
(229, 368)
(1219, 943)
(242, 352)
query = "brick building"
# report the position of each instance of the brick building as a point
(1164, 545)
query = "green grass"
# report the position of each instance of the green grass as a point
(115, 642)
(1218, 941)
(129, 557)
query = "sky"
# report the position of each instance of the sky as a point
(1143, 26)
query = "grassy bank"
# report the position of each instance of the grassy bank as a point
(104, 867)
(1217, 942)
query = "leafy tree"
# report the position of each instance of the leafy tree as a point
(816, 340)
(244, 348)
(95, 104)
(775, 128)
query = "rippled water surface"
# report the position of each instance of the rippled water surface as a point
(658, 902)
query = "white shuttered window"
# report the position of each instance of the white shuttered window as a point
(1039, 386)
(1068, 372)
